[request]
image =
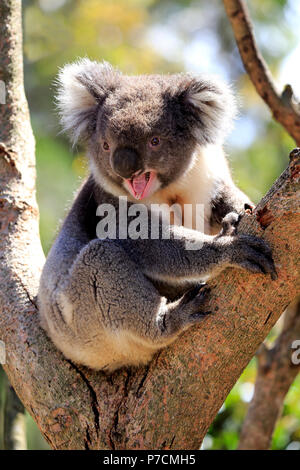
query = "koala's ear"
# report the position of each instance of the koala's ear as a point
(82, 87)
(212, 106)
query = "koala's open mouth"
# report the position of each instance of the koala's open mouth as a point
(141, 186)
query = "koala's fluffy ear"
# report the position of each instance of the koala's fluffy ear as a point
(212, 105)
(82, 87)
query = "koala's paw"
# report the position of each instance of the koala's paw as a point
(252, 253)
(186, 312)
(230, 223)
(191, 304)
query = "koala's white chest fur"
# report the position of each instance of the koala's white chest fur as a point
(195, 188)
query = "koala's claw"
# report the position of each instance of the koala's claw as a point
(187, 311)
(254, 254)
(200, 289)
(229, 224)
(199, 315)
(192, 302)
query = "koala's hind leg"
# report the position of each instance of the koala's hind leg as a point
(109, 314)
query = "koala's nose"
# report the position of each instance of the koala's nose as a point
(126, 162)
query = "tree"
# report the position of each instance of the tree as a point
(275, 370)
(171, 402)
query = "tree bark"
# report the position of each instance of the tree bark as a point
(171, 402)
(276, 373)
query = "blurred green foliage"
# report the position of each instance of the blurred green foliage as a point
(225, 431)
(57, 180)
(142, 36)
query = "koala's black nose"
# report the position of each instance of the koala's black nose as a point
(126, 162)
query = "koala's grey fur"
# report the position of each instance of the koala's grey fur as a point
(108, 303)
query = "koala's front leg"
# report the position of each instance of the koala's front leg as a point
(191, 256)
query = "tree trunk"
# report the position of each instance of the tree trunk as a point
(171, 402)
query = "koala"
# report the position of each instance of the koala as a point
(154, 141)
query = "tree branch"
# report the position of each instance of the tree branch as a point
(282, 105)
(257, 430)
(275, 375)
(171, 402)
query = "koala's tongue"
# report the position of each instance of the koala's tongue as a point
(140, 186)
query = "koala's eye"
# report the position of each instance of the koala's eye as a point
(154, 142)
(105, 146)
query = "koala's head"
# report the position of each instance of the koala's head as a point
(141, 131)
